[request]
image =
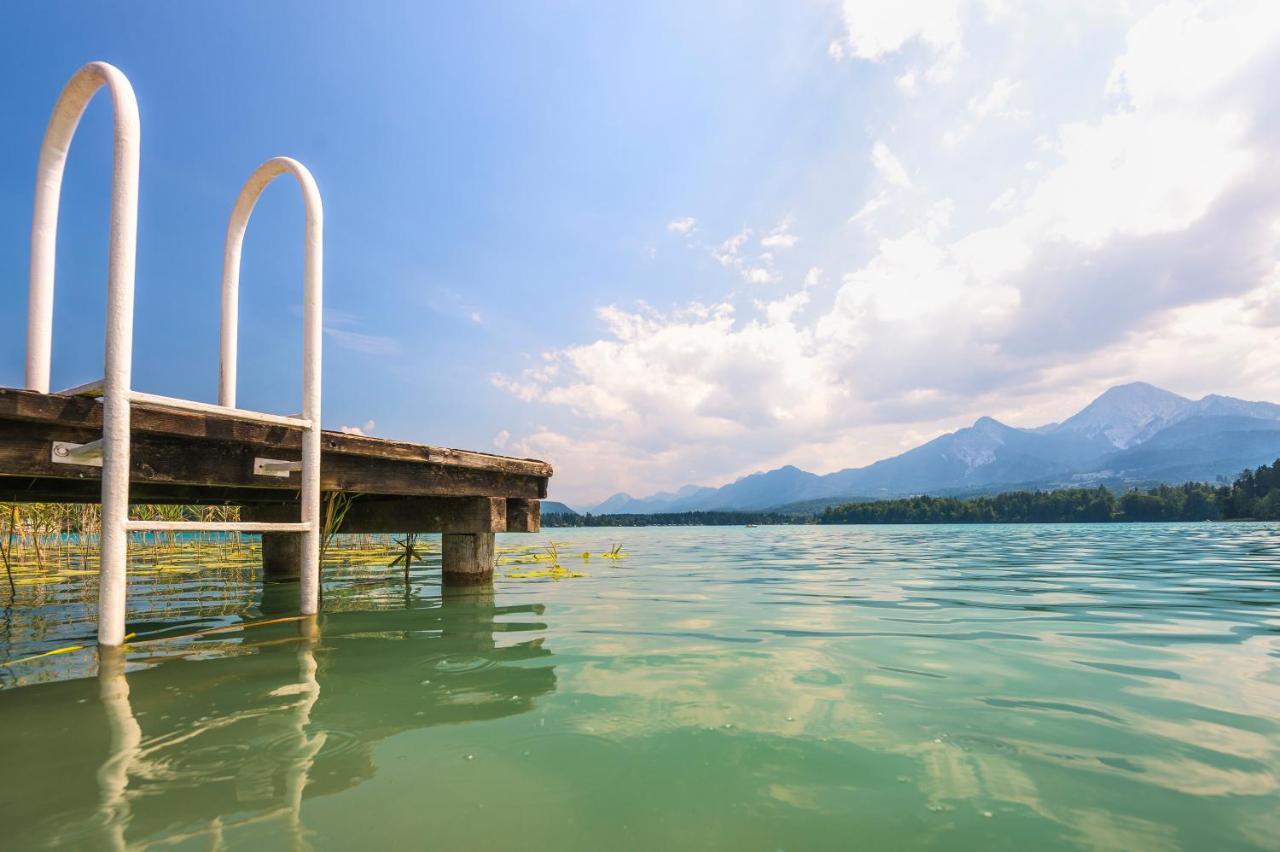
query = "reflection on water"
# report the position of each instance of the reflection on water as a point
(1084, 687)
(205, 744)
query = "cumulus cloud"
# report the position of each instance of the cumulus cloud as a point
(365, 428)
(683, 225)
(874, 30)
(1127, 229)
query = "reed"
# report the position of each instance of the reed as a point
(43, 545)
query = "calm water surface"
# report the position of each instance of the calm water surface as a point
(993, 687)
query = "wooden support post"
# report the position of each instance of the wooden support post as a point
(524, 515)
(281, 557)
(467, 559)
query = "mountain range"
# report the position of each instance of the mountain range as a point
(1134, 434)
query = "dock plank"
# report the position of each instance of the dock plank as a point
(199, 457)
(80, 412)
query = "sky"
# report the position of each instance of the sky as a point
(669, 243)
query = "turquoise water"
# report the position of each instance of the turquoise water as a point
(974, 687)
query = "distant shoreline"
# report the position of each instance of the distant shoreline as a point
(1253, 496)
(553, 522)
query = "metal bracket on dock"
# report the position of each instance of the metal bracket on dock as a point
(88, 455)
(275, 467)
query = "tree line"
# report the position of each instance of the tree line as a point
(1254, 495)
(676, 519)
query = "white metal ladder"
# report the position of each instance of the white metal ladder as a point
(113, 450)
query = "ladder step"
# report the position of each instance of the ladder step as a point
(209, 408)
(214, 526)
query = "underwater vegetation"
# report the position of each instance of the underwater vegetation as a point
(43, 544)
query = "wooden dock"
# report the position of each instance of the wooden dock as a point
(110, 443)
(186, 457)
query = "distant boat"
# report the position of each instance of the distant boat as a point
(749, 526)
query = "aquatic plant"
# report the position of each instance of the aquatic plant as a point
(44, 546)
(6, 545)
(556, 571)
(336, 505)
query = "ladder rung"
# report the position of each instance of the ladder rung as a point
(91, 389)
(209, 408)
(215, 526)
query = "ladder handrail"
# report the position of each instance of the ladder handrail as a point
(312, 331)
(116, 389)
(313, 260)
(121, 266)
(68, 110)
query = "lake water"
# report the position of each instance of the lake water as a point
(895, 688)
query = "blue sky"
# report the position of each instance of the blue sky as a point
(673, 242)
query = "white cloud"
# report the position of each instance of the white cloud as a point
(994, 101)
(1124, 230)
(876, 29)
(727, 253)
(754, 269)
(699, 370)
(780, 237)
(888, 166)
(1135, 173)
(866, 214)
(501, 439)
(683, 225)
(365, 428)
(1190, 52)
(338, 326)
(368, 344)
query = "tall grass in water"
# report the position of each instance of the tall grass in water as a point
(46, 544)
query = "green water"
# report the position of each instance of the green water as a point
(996, 687)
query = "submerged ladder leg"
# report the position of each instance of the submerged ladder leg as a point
(119, 335)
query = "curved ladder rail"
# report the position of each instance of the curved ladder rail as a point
(115, 386)
(120, 279)
(312, 315)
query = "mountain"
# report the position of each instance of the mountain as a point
(1131, 434)
(759, 490)
(624, 504)
(551, 507)
(1123, 415)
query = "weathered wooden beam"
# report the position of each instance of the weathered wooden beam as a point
(467, 559)
(524, 515)
(405, 515)
(27, 489)
(162, 458)
(79, 412)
